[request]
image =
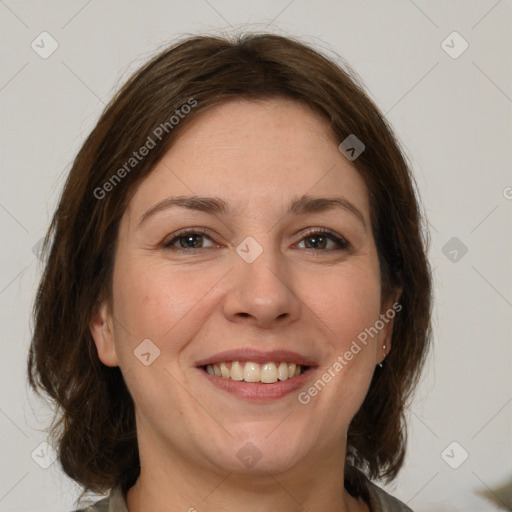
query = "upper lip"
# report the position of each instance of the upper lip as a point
(258, 356)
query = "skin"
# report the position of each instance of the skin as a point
(257, 156)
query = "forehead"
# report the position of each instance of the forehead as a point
(241, 127)
(259, 153)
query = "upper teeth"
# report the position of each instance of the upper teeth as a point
(254, 372)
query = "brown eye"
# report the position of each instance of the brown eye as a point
(187, 241)
(320, 239)
(190, 241)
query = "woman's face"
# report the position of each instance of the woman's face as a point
(250, 280)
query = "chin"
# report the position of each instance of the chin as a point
(260, 454)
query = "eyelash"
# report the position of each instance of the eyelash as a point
(326, 233)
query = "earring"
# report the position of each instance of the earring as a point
(383, 348)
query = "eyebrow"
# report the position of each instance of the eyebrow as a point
(216, 205)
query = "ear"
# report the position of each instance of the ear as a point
(389, 309)
(102, 330)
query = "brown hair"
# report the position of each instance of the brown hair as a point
(94, 424)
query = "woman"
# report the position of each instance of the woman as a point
(236, 302)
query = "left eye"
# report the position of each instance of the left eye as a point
(319, 240)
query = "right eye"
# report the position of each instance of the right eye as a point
(187, 240)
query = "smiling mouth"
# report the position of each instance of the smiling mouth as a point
(248, 371)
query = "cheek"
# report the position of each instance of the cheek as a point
(345, 302)
(158, 302)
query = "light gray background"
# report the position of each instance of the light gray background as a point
(452, 115)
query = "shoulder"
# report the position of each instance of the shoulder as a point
(99, 506)
(381, 501)
(114, 502)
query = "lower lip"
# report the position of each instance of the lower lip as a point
(258, 391)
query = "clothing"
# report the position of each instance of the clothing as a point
(380, 501)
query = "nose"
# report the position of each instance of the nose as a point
(261, 293)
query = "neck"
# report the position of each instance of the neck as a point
(175, 484)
